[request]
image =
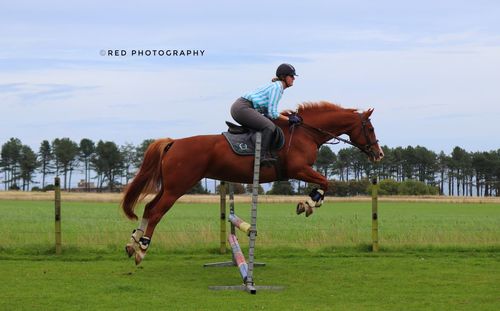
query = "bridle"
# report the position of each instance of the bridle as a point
(364, 148)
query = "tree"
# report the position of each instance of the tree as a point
(249, 189)
(108, 163)
(397, 158)
(442, 165)
(10, 155)
(425, 164)
(325, 160)
(28, 164)
(281, 187)
(384, 169)
(86, 150)
(197, 189)
(362, 167)
(344, 162)
(65, 152)
(129, 154)
(459, 159)
(45, 157)
(237, 188)
(140, 150)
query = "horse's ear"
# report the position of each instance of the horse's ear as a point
(369, 112)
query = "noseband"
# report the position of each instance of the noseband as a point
(364, 148)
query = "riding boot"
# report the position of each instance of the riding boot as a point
(267, 157)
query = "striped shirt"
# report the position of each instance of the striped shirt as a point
(266, 98)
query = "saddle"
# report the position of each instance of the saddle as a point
(242, 139)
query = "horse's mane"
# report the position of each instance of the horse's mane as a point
(321, 106)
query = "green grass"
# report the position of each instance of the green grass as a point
(346, 224)
(342, 280)
(434, 256)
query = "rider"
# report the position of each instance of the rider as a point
(256, 109)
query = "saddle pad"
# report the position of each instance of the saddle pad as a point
(244, 144)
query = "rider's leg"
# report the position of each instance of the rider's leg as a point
(267, 145)
(243, 112)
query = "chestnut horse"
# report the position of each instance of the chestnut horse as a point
(171, 167)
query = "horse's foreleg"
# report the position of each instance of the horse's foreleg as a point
(316, 196)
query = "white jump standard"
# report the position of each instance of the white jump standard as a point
(246, 269)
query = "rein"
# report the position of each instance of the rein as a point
(365, 149)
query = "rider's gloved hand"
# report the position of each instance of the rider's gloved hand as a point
(294, 119)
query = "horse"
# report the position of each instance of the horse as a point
(171, 167)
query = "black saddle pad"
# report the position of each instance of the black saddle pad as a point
(242, 140)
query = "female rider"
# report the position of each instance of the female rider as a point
(256, 109)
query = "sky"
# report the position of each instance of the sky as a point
(430, 69)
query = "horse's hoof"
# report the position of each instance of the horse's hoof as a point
(129, 249)
(309, 211)
(309, 207)
(300, 208)
(139, 256)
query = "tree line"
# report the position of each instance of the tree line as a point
(105, 163)
(460, 173)
(110, 166)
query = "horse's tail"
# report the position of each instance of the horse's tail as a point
(148, 179)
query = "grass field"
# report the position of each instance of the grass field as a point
(434, 256)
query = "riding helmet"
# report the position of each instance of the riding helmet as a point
(285, 70)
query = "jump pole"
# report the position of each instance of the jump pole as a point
(246, 270)
(235, 222)
(374, 215)
(57, 205)
(222, 190)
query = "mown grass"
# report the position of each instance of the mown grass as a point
(344, 279)
(434, 256)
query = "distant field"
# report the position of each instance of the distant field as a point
(342, 224)
(433, 256)
(116, 197)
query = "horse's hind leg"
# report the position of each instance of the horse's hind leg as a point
(134, 244)
(154, 215)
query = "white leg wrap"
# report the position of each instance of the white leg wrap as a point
(136, 236)
(310, 202)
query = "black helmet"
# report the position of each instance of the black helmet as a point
(285, 70)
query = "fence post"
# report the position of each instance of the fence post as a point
(374, 215)
(57, 200)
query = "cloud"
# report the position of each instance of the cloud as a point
(422, 66)
(33, 93)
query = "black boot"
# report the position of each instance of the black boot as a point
(267, 158)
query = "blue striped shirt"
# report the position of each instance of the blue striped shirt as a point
(266, 98)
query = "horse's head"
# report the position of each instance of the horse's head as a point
(363, 136)
(327, 121)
